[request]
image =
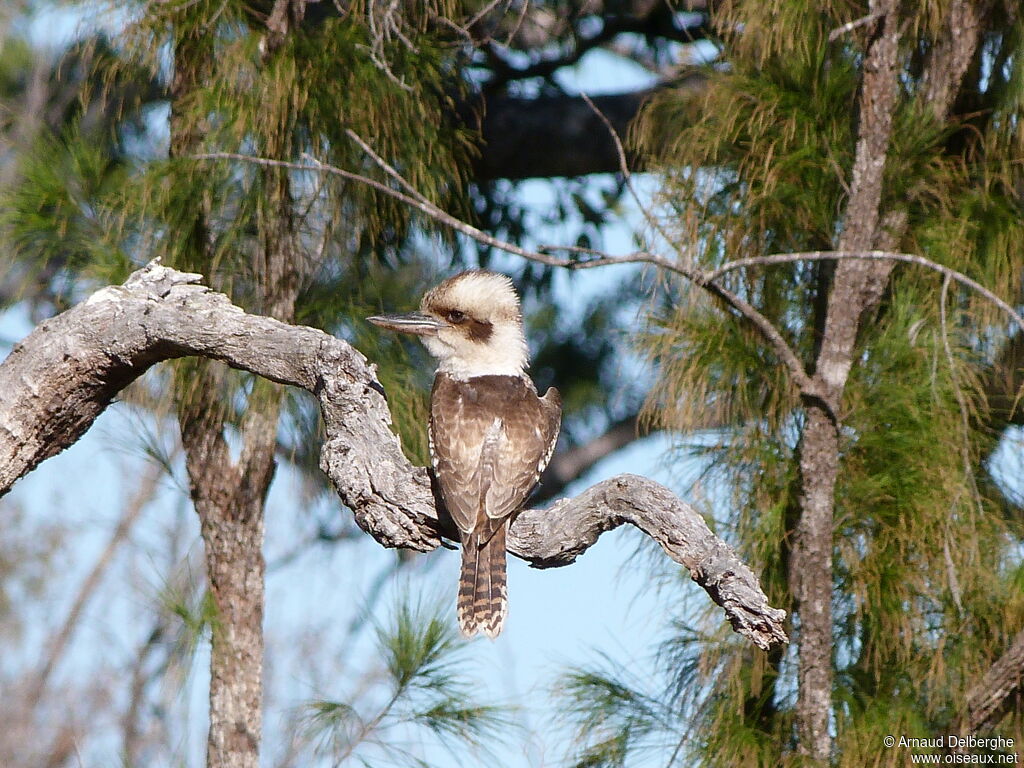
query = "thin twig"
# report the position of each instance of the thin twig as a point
(525, 7)
(706, 280)
(906, 258)
(482, 12)
(408, 187)
(463, 30)
(804, 382)
(849, 26)
(627, 175)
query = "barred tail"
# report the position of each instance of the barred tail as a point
(483, 594)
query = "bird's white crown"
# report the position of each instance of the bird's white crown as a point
(483, 333)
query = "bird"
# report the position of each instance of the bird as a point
(491, 435)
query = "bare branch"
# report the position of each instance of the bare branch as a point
(849, 26)
(620, 150)
(558, 535)
(543, 254)
(65, 373)
(806, 385)
(906, 258)
(642, 21)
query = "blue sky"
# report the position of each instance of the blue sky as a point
(602, 604)
(606, 603)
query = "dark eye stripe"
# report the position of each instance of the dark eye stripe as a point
(480, 332)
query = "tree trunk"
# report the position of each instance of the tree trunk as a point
(998, 690)
(228, 496)
(811, 581)
(229, 501)
(857, 286)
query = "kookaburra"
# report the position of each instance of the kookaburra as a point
(491, 436)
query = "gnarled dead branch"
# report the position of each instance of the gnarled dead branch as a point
(67, 371)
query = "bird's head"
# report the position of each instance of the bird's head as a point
(471, 323)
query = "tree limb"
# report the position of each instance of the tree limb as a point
(586, 258)
(543, 255)
(652, 21)
(988, 700)
(904, 258)
(558, 535)
(65, 373)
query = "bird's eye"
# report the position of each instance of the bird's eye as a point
(454, 316)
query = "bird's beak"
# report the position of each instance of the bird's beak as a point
(413, 322)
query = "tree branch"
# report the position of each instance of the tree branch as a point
(651, 24)
(543, 254)
(558, 535)
(905, 258)
(66, 372)
(808, 386)
(988, 700)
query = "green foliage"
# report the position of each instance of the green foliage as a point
(107, 206)
(428, 692)
(188, 616)
(112, 201)
(926, 555)
(56, 220)
(615, 719)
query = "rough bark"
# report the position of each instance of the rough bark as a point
(952, 54)
(229, 495)
(1002, 383)
(811, 580)
(857, 286)
(558, 535)
(1001, 687)
(228, 498)
(62, 376)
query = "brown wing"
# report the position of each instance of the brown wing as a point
(524, 450)
(490, 438)
(456, 434)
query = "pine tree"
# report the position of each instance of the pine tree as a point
(902, 569)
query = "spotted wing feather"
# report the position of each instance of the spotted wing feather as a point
(490, 437)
